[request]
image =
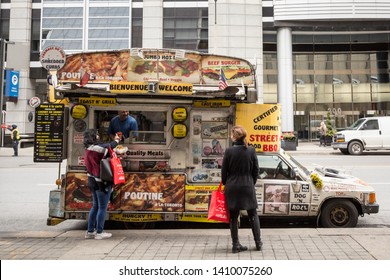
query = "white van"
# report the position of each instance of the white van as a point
(366, 134)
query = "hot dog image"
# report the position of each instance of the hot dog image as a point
(163, 66)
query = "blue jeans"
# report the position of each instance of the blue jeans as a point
(100, 199)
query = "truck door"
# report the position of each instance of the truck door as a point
(384, 130)
(278, 193)
(371, 134)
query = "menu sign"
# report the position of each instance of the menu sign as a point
(48, 144)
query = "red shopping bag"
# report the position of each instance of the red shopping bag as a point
(218, 209)
(116, 167)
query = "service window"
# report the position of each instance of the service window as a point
(151, 126)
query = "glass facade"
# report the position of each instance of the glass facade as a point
(35, 34)
(342, 68)
(91, 25)
(345, 73)
(63, 27)
(4, 23)
(76, 26)
(186, 28)
(136, 28)
(108, 28)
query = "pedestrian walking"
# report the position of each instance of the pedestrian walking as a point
(322, 130)
(240, 169)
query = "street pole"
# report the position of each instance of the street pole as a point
(2, 62)
(3, 43)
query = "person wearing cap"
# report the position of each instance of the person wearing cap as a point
(15, 137)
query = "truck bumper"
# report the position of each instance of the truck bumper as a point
(371, 208)
(336, 145)
(54, 221)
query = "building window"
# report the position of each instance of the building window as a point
(186, 28)
(108, 28)
(136, 28)
(62, 27)
(93, 25)
(35, 34)
(4, 23)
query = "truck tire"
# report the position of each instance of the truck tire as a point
(339, 213)
(355, 148)
(344, 151)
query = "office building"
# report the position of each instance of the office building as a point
(311, 56)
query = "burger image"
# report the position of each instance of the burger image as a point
(233, 74)
(235, 70)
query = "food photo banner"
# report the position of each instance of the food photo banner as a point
(147, 65)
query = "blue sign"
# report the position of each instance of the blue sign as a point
(12, 83)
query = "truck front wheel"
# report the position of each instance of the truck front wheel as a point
(339, 213)
(355, 148)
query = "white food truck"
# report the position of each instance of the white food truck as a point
(172, 163)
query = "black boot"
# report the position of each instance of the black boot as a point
(255, 224)
(237, 247)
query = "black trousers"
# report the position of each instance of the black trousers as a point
(15, 145)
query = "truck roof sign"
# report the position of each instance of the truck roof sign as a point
(52, 58)
(156, 65)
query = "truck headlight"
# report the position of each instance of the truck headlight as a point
(340, 138)
(371, 198)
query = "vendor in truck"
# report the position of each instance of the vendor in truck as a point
(122, 123)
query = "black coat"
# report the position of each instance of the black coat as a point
(240, 169)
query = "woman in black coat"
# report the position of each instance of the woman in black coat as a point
(240, 169)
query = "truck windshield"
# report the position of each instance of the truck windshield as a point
(356, 124)
(304, 169)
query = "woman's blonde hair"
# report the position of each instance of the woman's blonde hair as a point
(239, 134)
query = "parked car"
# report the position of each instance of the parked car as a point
(366, 134)
(285, 188)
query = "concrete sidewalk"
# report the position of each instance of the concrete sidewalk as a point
(199, 244)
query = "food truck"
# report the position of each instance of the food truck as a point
(185, 104)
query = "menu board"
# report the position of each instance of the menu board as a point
(49, 122)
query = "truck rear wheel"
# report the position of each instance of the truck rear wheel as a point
(355, 148)
(339, 213)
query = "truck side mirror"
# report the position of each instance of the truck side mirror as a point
(293, 173)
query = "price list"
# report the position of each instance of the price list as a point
(49, 122)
